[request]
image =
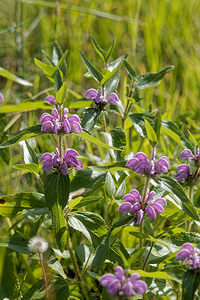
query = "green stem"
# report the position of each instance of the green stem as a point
(189, 222)
(104, 122)
(148, 256)
(44, 275)
(145, 190)
(86, 264)
(141, 245)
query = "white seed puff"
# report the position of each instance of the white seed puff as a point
(37, 245)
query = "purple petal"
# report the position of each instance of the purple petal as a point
(46, 156)
(141, 156)
(186, 154)
(125, 208)
(157, 207)
(65, 111)
(119, 273)
(183, 254)
(151, 167)
(55, 113)
(141, 167)
(131, 163)
(134, 277)
(140, 216)
(73, 118)
(136, 194)
(91, 94)
(47, 165)
(161, 201)
(150, 212)
(66, 126)
(99, 98)
(114, 287)
(150, 196)
(51, 99)
(79, 166)
(47, 126)
(76, 127)
(140, 286)
(188, 246)
(70, 152)
(128, 289)
(57, 126)
(135, 208)
(46, 117)
(113, 98)
(63, 168)
(106, 279)
(130, 198)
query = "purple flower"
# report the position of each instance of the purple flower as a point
(190, 255)
(142, 165)
(99, 98)
(186, 154)
(1, 97)
(183, 173)
(57, 123)
(54, 162)
(119, 283)
(50, 99)
(134, 206)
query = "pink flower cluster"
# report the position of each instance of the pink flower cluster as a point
(119, 284)
(133, 205)
(55, 162)
(57, 123)
(142, 165)
(99, 98)
(190, 255)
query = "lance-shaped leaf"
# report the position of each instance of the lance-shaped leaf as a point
(25, 106)
(191, 280)
(98, 48)
(178, 193)
(139, 124)
(10, 205)
(90, 118)
(151, 79)
(61, 94)
(6, 74)
(56, 189)
(151, 133)
(91, 68)
(48, 70)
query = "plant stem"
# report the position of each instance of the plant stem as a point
(74, 262)
(140, 246)
(44, 275)
(188, 222)
(148, 256)
(104, 122)
(86, 264)
(145, 190)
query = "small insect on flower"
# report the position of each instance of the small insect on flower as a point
(37, 245)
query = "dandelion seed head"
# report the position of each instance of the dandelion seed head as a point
(38, 245)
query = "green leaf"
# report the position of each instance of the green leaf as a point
(98, 48)
(110, 74)
(151, 79)
(191, 280)
(90, 224)
(109, 185)
(131, 72)
(15, 243)
(92, 69)
(138, 122)
(32, 168)
(52, 261)
(96, 141)
(193, 139)
(61, 94)
(90, 118)
(118, 166)
(25, 106)
(80, 103)
(178, 193)
(58, 57)
(57, 81)
(32, 153)
(23, 135)
(6, 74)
(150, 133)
(109, 51)
(83, 201)
(56, 189)
(48, 70)
(157, 274)
(112, 84)
(174, 128)
(119, 141)
(10, 205)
